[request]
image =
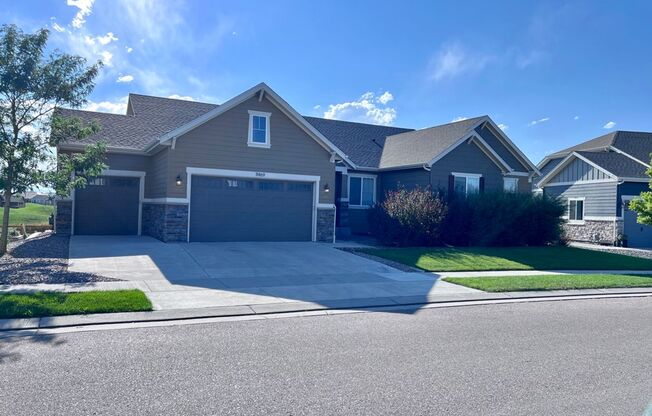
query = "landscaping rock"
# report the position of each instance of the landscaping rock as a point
(42, 259)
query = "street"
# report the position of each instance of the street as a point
(584, 357)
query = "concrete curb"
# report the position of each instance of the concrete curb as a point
(402, 303)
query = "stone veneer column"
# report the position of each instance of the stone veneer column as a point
(63, 217)
(326, 225)
(166, 222)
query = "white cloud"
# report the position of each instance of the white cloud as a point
(125, 78)
(118, 106)
(365, 109)
(128, 49)
(85, 7)
(102, 40)
(576, 118)
(385, 97)
(503, 127)
(531, 58)
(317, 107)
(609, 125)
(56, 26)
(107, 58)
(541, 120)
(181, 97)
(458, 118)
(152, 19)
(453, 60)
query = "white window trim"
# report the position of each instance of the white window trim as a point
(250, 138)
(515, 180)
(578, 222)
(466, 183)
(361, 176)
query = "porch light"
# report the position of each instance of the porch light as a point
(327, 189)
(179, 181)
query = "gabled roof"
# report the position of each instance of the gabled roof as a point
(363, 143)
(419, 147)
(616, 163)
(154, 121)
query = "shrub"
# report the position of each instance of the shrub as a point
(409, 218)
(504, 219)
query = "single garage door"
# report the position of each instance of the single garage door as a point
(108, 206)
(638, 235)
(236, 209)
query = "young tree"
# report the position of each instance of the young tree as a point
(32, 87)
(643, 205)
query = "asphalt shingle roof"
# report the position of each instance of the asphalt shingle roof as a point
(616, 163)
(367, 145)
(421, 146)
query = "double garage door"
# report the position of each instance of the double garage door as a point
(221, 209)
(243, 209)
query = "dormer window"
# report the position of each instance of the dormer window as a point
(259, 129)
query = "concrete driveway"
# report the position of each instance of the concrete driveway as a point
(191, 275)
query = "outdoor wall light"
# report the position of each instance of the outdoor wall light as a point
(327, 189)
(179, 181)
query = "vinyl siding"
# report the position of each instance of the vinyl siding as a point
(579, 170)
(157, 170)
(550, 165)
(408, 179)
(600, 198)
(629, 188)
(221, 143)
(501, 149)
(466, 158)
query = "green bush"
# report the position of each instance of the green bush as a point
(504, 219)
(409, 218)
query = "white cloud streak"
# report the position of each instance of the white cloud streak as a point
(118, 106)
(366, 109)
(125, 78)
(503, 127)
(85, 7)
(539, 121)
(609, 125)
(453, 60)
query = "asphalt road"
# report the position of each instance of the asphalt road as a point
(555, 358)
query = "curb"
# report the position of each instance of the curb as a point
(409, 304)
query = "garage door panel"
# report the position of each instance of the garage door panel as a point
(108, 206)
(230, 209)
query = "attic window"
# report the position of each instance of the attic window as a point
(259, 129)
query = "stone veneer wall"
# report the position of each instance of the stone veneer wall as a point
(605, 231)
(166, 222)
(325, 225)
(63, 217)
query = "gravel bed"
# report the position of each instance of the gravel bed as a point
(634, 252)
(42, 259)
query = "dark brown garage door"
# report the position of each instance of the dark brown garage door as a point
(108, 206)
(235, 209)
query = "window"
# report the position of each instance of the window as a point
(576, 210)
(510, 184)
(362, 191)
(466, 183)
(259, 129)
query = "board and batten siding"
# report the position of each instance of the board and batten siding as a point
(600, 197)
(579, 170)
(466, 158)
(221, 143)
(488, 136)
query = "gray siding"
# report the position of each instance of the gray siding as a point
(500, 148)
(409, 179)
(221, 143)
(157, 170)
(579, 170)
(630, 188)
(550, 165)
(600, 198)
(466, 158)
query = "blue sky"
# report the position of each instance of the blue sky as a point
(551, 73)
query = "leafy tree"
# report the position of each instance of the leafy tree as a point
(33, 86)
(643, 205)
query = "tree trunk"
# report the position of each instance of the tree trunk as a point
(4, 237)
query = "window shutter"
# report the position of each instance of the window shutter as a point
(451, 185)
(481, 184)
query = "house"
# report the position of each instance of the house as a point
(253, 169)
(38, 198)
(596, 180)
(17, 201)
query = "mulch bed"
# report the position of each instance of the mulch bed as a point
(42, 259)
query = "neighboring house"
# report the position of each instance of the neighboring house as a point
(38, 198)
(253, 169)
(596, 180)
(17, 201)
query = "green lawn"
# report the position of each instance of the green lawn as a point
(32, 214)
(551, 282)
(30, 305)
(510, 258)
